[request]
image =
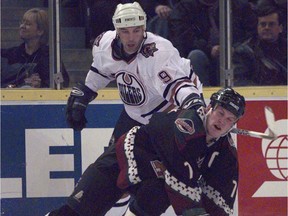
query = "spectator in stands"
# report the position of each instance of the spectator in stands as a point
(194, 31)
(163, 9)
(262, 59)
(281, 6)
(253, 4)
(159, 23)
(27, 65)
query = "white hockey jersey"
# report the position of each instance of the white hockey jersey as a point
(155, 80)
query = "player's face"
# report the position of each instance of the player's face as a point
(131, 38)
(269, 27)
(219, 121)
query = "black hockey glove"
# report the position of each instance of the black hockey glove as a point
(195, 212)
(77, 103)
(193, 101)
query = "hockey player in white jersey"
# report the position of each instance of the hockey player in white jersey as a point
(150, 75)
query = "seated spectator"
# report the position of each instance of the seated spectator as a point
(194, 31)
(27, 65)
(159, 23)
(262, 59)
(253, 4)
(281, 6)
(163, 8)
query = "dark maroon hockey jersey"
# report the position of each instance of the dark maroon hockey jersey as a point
(173, 147)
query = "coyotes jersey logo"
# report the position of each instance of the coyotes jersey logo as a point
(148, 49)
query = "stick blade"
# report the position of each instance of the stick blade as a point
(270, 120)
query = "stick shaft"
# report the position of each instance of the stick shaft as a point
(252, 133)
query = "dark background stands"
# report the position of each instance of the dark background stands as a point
(101, 11)
(262, 59)
(281, 6)
(194, 25)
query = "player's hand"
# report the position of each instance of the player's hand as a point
(163, 11)
(77, 103)
(33, 81)
(75, 115)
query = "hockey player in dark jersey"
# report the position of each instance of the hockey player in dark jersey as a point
(185, 158)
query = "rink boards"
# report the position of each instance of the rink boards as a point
(42, 159)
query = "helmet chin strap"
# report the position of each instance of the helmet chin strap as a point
(144, 38)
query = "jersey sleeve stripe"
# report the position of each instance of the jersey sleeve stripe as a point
(95, 70)
(156, 109)
(184, 86)
(168, 88)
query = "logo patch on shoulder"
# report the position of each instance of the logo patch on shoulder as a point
(97, 40)
(185, 125)
(148, 49)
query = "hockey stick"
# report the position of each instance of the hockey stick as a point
(270, 120)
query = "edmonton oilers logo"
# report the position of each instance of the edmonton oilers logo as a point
(130, 89)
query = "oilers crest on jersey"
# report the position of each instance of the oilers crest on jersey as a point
(131, 90)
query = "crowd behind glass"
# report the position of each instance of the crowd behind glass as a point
(259, 44)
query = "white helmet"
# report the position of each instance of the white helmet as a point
(129, 15)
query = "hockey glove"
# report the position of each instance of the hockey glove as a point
(77, 103)
(193, 101)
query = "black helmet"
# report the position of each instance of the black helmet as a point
(230, 100)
